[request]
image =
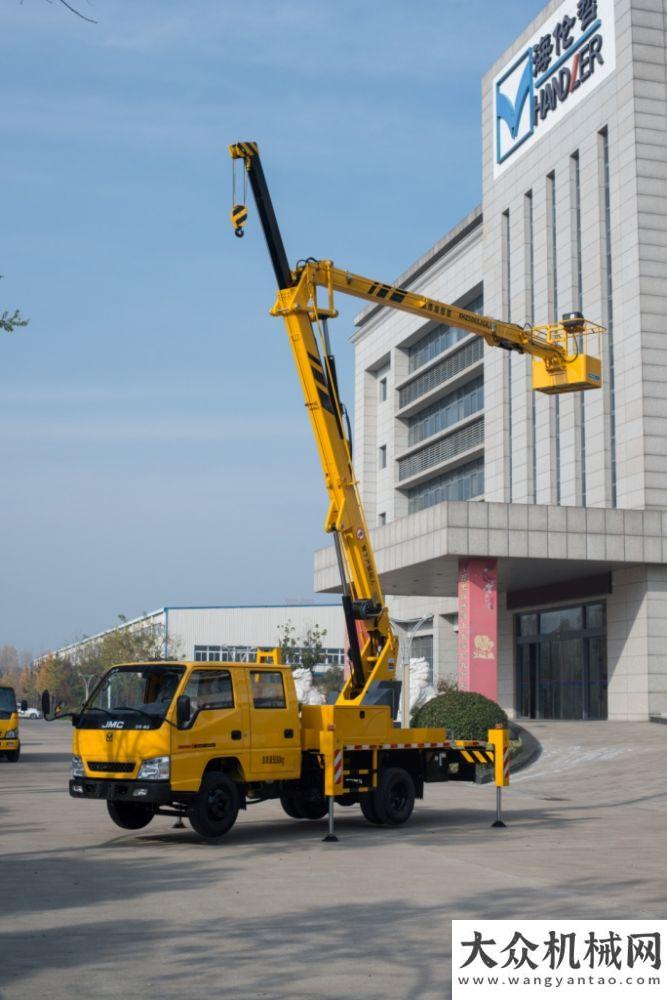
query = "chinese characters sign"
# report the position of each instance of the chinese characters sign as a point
(577, 959)
(478, 627)
(563, 62)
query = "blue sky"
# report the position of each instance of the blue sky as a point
(152, 437)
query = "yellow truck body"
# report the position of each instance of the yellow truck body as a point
(203, 740)
(10, 744)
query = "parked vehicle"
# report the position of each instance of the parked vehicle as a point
(29, 713)
(10, 744)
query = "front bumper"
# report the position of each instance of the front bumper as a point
(158, 792)
(9, 745)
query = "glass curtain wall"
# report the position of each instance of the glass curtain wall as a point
(561, 666)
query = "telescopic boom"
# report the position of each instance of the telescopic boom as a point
(558, 366)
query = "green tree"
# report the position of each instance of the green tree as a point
(66, 676)
(331, 680)
(9, 321)
(15, 672)
(287, 641)
(60, 678)
(306, 651)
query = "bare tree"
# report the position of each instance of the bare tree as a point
(73, 10)
(77, 12)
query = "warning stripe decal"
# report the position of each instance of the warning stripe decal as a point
(338, 767)
(485, 754)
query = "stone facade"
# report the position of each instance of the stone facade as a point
(575, 485)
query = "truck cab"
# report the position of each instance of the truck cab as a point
(10, 744)
(198, 739)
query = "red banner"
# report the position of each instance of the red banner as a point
(478, 626)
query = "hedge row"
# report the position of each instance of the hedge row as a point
(464, 714)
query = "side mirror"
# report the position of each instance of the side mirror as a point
(183, 711)
(46, 703)
(23, 705)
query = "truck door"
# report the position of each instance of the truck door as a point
(218, 727)
(274, 725)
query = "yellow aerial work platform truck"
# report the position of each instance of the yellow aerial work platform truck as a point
(204, 739)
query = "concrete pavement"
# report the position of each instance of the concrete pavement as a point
(90, 911)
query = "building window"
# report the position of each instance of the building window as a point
(561, 669)
(552, 278)
(446, 448)
(382, 519)
(530, 297)
(382, 385)
(439, 339)
(439, 416)
(506, 256)
(463, 483)
(422, 647)
(609, 311)
(331, 656)
(579, 296)
(382, 456)
(445, 370)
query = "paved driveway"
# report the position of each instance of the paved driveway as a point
(91, 911)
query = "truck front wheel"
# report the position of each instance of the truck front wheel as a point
(13, 755)
(131, 815)
(216, 807)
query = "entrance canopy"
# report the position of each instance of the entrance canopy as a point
(536, 546)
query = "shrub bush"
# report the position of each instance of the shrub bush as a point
(465, 715)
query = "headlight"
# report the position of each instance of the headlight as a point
(11, 734)
(155, 769)
(77, 770)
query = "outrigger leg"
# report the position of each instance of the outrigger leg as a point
(331, 836)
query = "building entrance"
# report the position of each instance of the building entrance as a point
(561, 666)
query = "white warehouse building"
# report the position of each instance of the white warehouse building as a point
(228, 632)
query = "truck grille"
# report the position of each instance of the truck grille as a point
(109, 766)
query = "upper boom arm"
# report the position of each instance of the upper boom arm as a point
(558, 366)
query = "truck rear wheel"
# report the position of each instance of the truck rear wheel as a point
(216, 807)
(368, 803)
(300, 808)
(395, 796)
(288, 802)
(131, 815)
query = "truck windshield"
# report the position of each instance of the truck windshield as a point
(135, 697)
(7, 702)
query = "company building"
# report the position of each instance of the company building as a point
(233, 633)
(460, 459)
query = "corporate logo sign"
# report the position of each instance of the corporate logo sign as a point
(563, 62)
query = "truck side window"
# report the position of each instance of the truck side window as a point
(209, 689)
(267, 689)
